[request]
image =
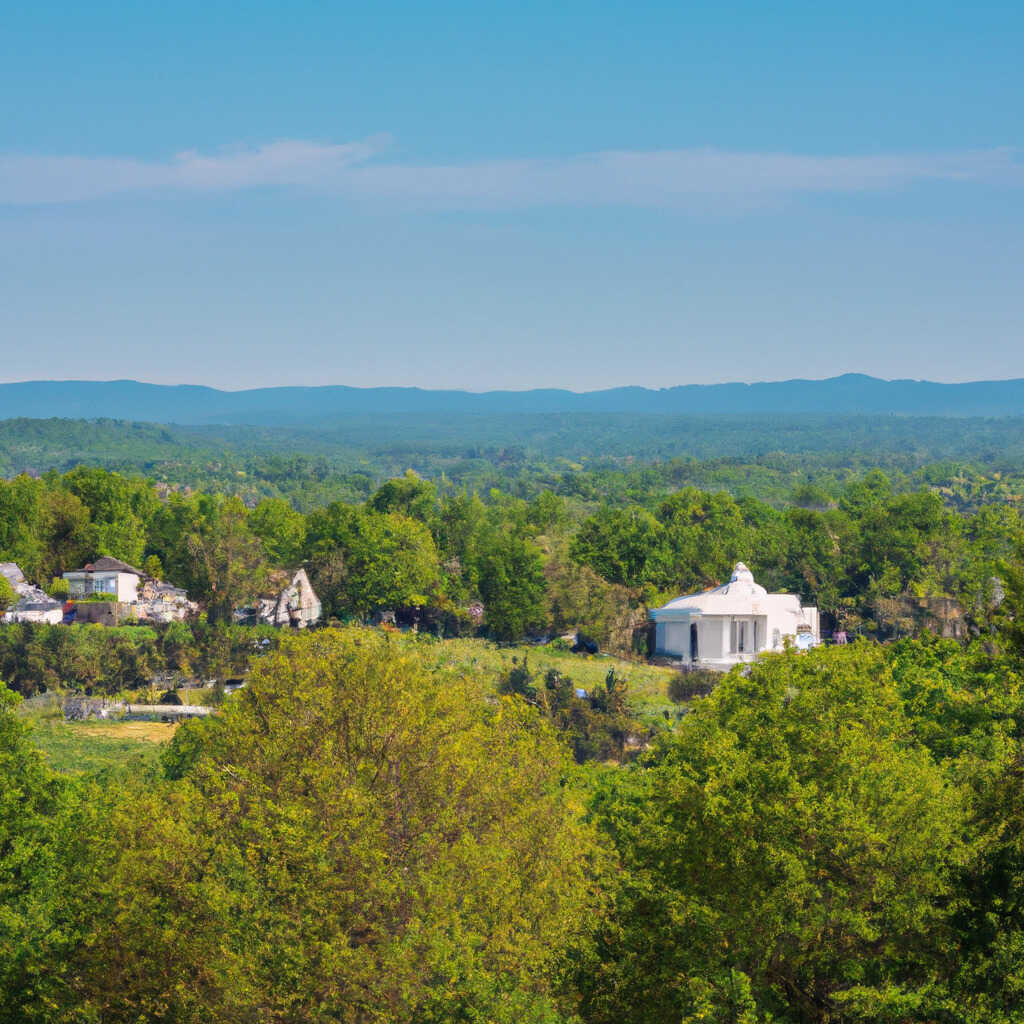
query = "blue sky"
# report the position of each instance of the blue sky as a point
(510, 195)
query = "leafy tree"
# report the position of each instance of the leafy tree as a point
(623, 546)
(357, 838)
(704, 537)
(7, 595)
(21, 515)
(120, 509)
(408, 495)
(790, 854)
(66, 532)
(28, 800)
(461, 521)
(365, 561)
(281, 529)
(227, 561)
(511, 575)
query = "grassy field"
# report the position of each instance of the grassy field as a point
(647, 684)
(90, 747)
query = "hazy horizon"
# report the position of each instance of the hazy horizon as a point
(528, 387)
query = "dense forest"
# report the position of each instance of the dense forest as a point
(386, 826)
(609, 456)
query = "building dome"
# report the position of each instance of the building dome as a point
(741, 582)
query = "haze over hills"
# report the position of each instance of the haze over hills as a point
(199, 405)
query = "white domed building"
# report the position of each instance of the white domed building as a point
(732, 624)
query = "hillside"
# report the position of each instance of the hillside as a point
(197, 405)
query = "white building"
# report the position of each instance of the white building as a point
(105, 576)
(732, 624)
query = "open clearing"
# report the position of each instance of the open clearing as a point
(92, 747)
(152, 732)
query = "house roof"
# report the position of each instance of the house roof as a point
(108, 564)
(740, 596)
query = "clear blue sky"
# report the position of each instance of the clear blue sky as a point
(508, 195)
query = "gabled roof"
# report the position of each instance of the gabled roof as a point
(108, 564)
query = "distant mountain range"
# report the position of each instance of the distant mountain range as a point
(296, 406)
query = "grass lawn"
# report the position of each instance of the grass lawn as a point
(647, 684)
(90, 747)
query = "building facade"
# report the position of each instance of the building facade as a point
(105, 576)
(732, 624)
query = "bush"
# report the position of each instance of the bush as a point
(698, 682)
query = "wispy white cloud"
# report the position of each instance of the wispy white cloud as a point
(55, 179)
(661, 178)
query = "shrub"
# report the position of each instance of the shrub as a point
(698, 682)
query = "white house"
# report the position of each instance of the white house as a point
(732, 624)
(105, 576)
(31, 604)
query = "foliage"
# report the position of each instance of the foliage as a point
(228, 568)
(790, 854)
(511, 575)
(8, 596)
(357, 840)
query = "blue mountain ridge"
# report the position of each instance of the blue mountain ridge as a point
(198, 405)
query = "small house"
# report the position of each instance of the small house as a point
(105, 576)
(732, 624)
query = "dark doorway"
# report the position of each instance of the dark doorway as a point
(693, 641)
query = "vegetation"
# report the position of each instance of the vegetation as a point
(448, 823)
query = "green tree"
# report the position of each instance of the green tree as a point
(356, 839)
(512, 585)
(281, 529)
(704, 537)
(120, 509)
(623, 546)
(28, 801)
(227, 561)
(408, 495)
(790, 854)
(364, 561)
(66, 533)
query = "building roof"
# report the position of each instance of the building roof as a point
(740, 596)
(108, 564)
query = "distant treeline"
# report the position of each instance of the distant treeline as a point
(608, 457)
(877, 559)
